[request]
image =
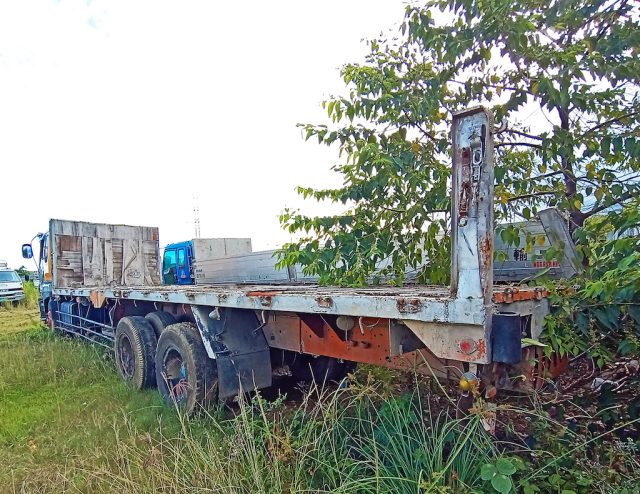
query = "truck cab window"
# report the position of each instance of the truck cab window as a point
(169, 260)
(181, 257)
(169, 270)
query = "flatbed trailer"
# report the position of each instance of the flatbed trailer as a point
(201, 342)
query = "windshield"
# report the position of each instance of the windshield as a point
(9, 276)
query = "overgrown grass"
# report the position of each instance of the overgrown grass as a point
(61, 405)
(68, 424)
(31, 295)
(30, 300)
(344, 441)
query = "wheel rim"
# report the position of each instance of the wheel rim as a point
(125, 356)
(174, 370)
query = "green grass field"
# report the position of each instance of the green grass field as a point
(62, 408)
(68, 424)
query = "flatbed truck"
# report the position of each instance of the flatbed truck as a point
(201, 343)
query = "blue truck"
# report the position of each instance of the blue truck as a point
(182, 261)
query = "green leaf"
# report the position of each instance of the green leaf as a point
(488, 471)
(530, 488)
(531, 342)
(505, 467)
(502, 484)
(390, 126)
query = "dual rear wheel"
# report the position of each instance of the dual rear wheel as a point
(155, 350)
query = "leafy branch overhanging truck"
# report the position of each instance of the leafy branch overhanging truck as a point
(199, 343)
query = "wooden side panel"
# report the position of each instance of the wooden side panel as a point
(93, 261)
(151, 263)
(108, 261)
(118, 249)
(68, 261)
(132, 262)
(96, 254)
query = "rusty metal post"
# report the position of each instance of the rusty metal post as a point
(472, 212)
(472, 205)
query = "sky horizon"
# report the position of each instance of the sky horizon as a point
(123, 112)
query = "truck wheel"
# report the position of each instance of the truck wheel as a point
(135, 347)
(159, 320)
(187, 378)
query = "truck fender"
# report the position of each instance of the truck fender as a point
(235, 339)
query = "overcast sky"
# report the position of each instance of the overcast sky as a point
(124, 111)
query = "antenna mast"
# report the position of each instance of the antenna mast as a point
(196, 216)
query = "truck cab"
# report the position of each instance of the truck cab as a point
(186, 263)
(177, 263)
(11, 289)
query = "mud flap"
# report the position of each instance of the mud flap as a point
(234, 338)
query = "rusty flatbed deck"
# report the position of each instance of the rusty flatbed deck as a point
(413, 302)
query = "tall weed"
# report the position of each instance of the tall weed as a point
(344, 441)
(31, 295)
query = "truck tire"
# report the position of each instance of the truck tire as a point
(187, 378)
(160, 319)
(135, 347)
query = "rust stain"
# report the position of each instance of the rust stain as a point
(514, 294)
(486, 249)
(258, 293)
(408, 306)
(324, 302)
(482, 347)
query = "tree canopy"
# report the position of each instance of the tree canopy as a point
(562, 78)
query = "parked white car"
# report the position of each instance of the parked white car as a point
(11, 289)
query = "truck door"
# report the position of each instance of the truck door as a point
(184, 270)
(169, 267)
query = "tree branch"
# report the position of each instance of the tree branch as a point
(609, 122)
(623, 197)
(523, 134)
(526, 144)
(496, 86)
(547, 175)
(419, 127)
(533, 194)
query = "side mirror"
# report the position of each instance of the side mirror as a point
(27, 251)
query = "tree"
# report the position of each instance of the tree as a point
(562, 77)
(22, 271)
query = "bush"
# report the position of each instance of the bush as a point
(31, 295)
(599, 311)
